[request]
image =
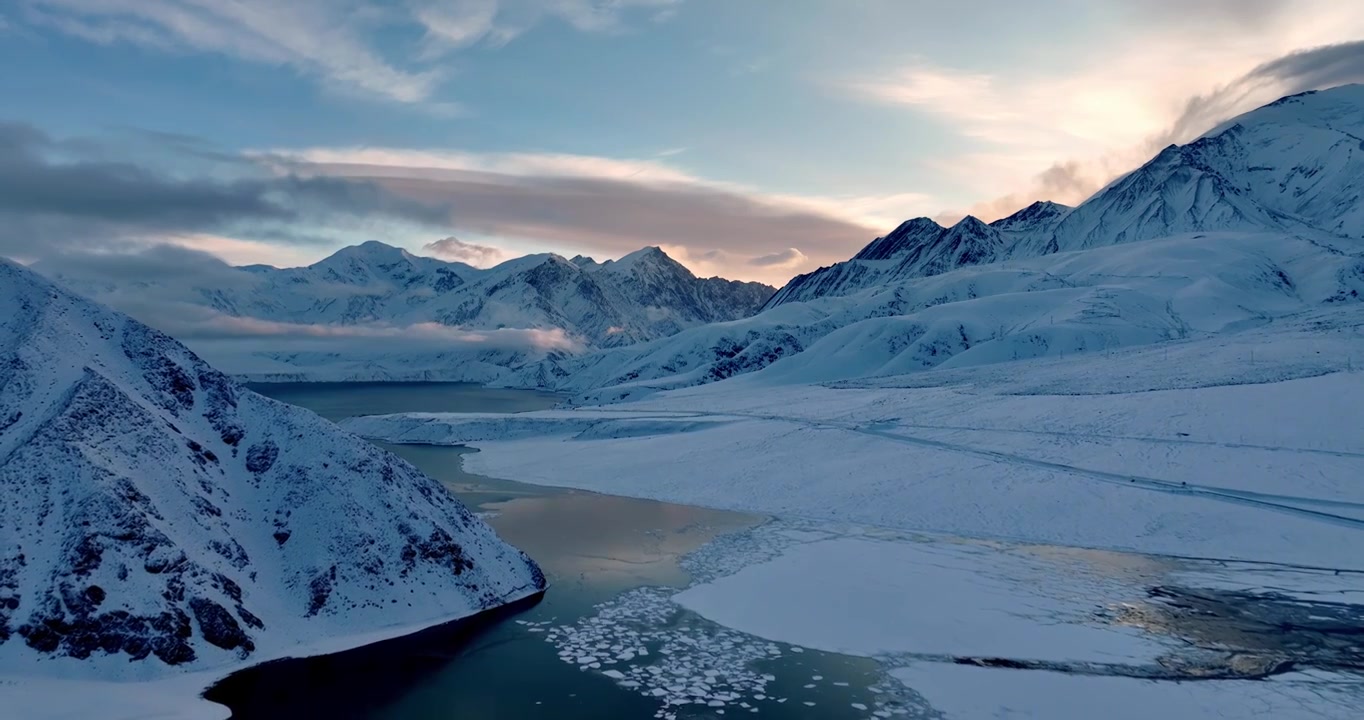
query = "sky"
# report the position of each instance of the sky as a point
(752, 139)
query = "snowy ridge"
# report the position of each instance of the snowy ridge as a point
(161, 519)
(1094, 301)
(1296, 165)
(918, 248)
(1258, 221)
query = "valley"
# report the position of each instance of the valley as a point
(1099, 459)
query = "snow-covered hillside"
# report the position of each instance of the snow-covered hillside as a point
(1239, 445)
(1296, 165)
(1093, 301)
(159, 519)
(1257, 221)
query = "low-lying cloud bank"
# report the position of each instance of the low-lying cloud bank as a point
(59, 195)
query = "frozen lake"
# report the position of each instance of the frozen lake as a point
(674, 611)
(594, 549)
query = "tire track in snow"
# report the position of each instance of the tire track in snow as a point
(1267, 501)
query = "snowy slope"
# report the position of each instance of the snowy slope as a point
(1258, 220)
(160, 519)
(1296, 165)
(1243, 445)
(1093, 301)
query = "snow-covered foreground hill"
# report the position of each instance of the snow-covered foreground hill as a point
(159, 520)
(376, 312)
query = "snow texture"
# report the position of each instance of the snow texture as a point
(1266, 469)
(159, 519)
(1296, 165)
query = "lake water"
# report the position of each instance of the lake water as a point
(594, 549)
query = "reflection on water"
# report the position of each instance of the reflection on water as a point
(600, 545)
(592, 548)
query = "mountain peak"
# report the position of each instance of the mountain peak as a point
(909, 234)
(1040, 215)
(651, 255)
(370, 252)
(1339, 108)
(970, 222)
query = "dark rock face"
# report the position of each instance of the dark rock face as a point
(79, 632)
(218, 626)
(321, 590)
(261, 457)
(9, 593)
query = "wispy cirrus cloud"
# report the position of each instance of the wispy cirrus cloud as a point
(317, 38)
(335, 41)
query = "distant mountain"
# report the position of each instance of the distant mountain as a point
(476, 322)
(644, 295)
(157, 515)
(1090, 301)
(917, 248)
(1296, 165)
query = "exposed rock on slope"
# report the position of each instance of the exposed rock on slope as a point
(156, 512)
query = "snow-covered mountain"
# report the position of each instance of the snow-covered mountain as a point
(1258, 221)
(642, 296)
(158, 518)
(1063, 304)
(1296, 165)
(376, 312)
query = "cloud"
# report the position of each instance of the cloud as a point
(62, 195)
(1296, 72)
(217, 326)
(450, 26)
(790, 257)
(603, 205)
(453, 248)
(58, 195)
(599, 16)
(336, 41)
(1123, 87)
(315, 37)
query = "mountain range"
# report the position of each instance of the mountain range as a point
(1258, 220)
(1295, 166)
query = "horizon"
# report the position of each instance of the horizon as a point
(483, 130)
